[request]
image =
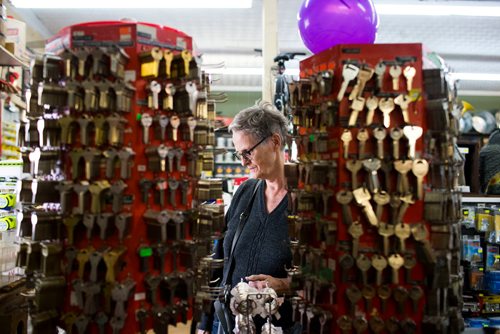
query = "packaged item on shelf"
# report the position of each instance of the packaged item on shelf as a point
(484, 219)
(469, 216)
(492, 257)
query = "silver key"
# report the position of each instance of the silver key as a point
(386, 105)
(412, 133)
(372, 105)
(380, 71)
(409, 73)
(380, 134)
(395, 72)
(163, 122)
(396, 134)
(155, 89)
(403, 101)
(346, 138)
(146, 122)
(34, 158)
(349, 73)
(193, 95)
(40, 126)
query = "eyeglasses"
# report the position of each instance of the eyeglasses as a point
(245, 154)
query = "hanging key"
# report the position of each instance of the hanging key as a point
(168, 104)
(346, 138)
(145, 185)
(409, 73)
(163, 151)
(372, 166)
(193, 95)
(175, 122)
(163, 122)
(353, 296)
(386, 231)
(379, 263)
(406, 201)
(40, 126)
(168, 56)
(356, 231)
(344, 197)
(155, 89)
(396, 134)
(357, 106)
(82, 257)
(380, 69)
(421, 235)
(81, 323)
(362, 197)
(186, 57)
(120, 294)
(368, 293)
(117, 190)
(420, 168)
(96, 189)
(346, 262)
(125, 155)
(360, 324)
(392, 325)
(364, 264)
(377, 324)
(403, 101)
(364, 75)
(141, 315)
(381, 198)
(161, 186)
(94, 259)
(92, 291)
(122, 224)
(345, 324)
(191, 122)
(88, 222)
(150, 62)
(117, 323)
(415, 293)
(403, 167)
(384, 292)
(400, 295)
(395, 72)
(101, 319)
(409, 263)
(402, 231)
(34, 158)
(371, 105)
(102, 221)
(386, 105)
(185, 190)
(111, 258)
(412, 133)
(349, 73)
(395, 262)
(70, 224)
(354, 166)
(80, 189)
(362, 137)
(146, 122)
(379, 134)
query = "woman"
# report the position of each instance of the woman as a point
(262, 250)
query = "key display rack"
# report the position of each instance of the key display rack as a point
(374, 215)
(119, 138)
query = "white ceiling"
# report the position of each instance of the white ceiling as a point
(468, 44)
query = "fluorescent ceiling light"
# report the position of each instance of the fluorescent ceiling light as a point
(59, 4)
(476, 76)
(437, 10)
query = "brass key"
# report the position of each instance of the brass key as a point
(402, 232)
(357, 106)
(384, 292)
(386, 105)
(415, 295)
(353, 296)
(186, 57)
(82, 258)
(412, 133)
(400, 295)
(362, 137)
(371, 105)
(111, 258)
(395, 203)
(345, 324)
(346, 138)
(354, 166)
(380, 69)
(392, 325)
(396, 134)
(368, 293)
(168, 103)
(395, 72)
(409, 73)
(403, 101)
(344, 197)
(381, 198)
(420, 168)
(349, 72)
(379, 263)
(403, 167)
(376, 323)
(364, 75)
(70, 223)
(421, 234)
(168, 55)
(175, 122)
(406, 201)
(379, 134)
(360, 324)
(395, 262)
(409, 262)
(386, 231)
(362, 197)
(356, 231)
(364, 264)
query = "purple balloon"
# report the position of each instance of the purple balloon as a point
(325, 23)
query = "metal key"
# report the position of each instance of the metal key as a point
(421, 234)
(380, 133)
(379, 263)
(169, 103)
(34, 158)
(403, 167)
(354, 166)
(396, 134)
(362, 197)
(372, 166)
(163, 121)
(392, 325)
(400, 295)
(384, 292)
(402, 232)
(360, 324)
(412, 133)
(395, 261)
(395, 72)
(186, 57)
(415, 293)
(372, 105)
(346, 138)
(420, 168)
(353, 296)
(192, 91)
(380, 69)
(409, 73)
(368, 293)
(101, 319)
(403, 101)
(356, 231)
(349, 72)
(146, 122)
(364, 75)
(168, 55)
(40, 126)
(344, 197)
(191, 122)
(357, 106)
(346, 262)
(376, 323)
(409, 263)
(386, 231)
(381, 198)
(175, 121)
(345, 324)
(362, 137)
(406, 201)
(364, 264)
(386, 105)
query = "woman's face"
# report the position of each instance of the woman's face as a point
(260, 159)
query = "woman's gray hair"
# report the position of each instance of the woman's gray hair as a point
(261, 120)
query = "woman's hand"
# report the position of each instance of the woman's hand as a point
(280, 285)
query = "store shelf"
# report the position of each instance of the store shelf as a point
(481, 199)
(8, 59)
